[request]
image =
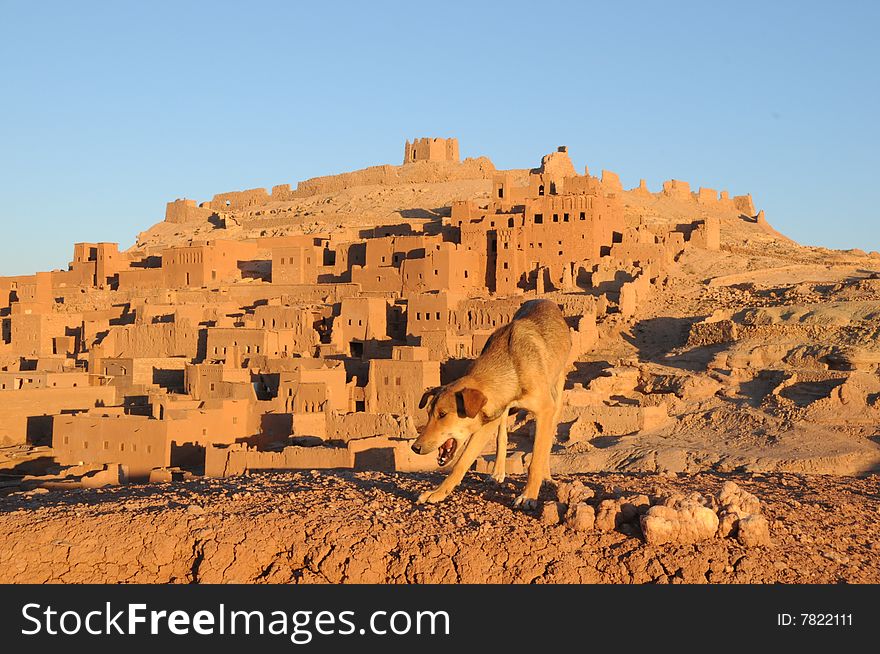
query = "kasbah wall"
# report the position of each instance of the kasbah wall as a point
(182, 358)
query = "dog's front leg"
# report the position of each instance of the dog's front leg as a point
(470, 453)
(500, 469)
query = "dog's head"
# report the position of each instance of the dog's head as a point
(455, 413)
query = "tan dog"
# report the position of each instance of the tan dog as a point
(522, 366)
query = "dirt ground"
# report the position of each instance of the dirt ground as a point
(364, 527)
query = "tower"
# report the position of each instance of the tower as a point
(431, 149)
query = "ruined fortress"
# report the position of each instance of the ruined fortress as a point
(312, 349)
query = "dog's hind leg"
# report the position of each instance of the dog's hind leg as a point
(500, 470)
(539, 467)
(471, 451)
(557, 398)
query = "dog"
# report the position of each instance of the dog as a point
(522, 366)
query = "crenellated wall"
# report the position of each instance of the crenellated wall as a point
(430, 149)
(186, 211)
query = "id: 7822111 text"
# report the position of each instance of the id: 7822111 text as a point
(814, 619)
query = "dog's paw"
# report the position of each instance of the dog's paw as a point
(525, 503)
(498, 477)
(432, 497)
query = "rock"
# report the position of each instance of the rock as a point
(735, 506)
(573, 492)
(727, 524)
(681, 521)
(627, 512)
(632, 506)
(552, 512)
(734, 499)
(754, 530)
(607, 515)
(581, 517)
(612, 513)
(160, 476)
(708, 501)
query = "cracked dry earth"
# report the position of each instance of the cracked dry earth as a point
(336, 527)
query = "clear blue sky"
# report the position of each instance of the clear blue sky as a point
(108, 110)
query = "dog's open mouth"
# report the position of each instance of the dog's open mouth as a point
(446, 451)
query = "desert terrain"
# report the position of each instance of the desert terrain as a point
(710, 349)
(364, 527)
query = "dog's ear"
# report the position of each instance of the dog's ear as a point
(426, 397)
(473, 400)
